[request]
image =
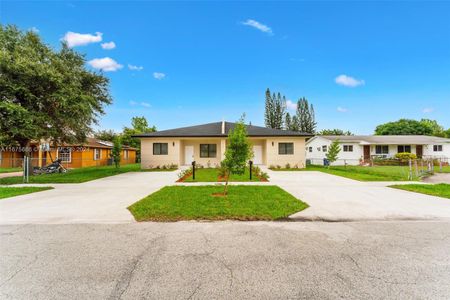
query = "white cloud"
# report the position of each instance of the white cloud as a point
(74, 39)
(106, 64)
(428, 110)
(259, 26)
(158, 75)
(109, 45)
(291, 105)
(145, 104)
(133, 103)
(135, 68)
(342, 109)
(348, 81)
(34, 29)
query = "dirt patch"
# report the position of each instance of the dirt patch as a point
(182, 179)
(218, 195)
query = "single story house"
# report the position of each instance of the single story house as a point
(356, 149)
(205, 144)
(93, 152)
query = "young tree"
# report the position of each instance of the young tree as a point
(333, 152)
(46, 94)
(237, 153)
(115, 152)
(306, 116)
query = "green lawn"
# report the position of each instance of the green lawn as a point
(6, 192)
(445, 169)
(79, 175)
(174, 203)
(212, 175)
(376, 173)
(10, 170)
(440, 190)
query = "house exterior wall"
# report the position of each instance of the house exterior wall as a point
(274, 159)
(317, 156)
(176, 151)
(429, 152)
(10, 159)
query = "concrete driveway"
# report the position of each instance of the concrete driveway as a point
(98, 201)
(335, 198)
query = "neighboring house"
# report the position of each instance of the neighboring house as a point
(93, 152)
(356, 149)
(205, 144)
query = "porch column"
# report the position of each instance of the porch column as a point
(223, 145)
(40, 155)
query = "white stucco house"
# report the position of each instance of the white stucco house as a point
(359, 148)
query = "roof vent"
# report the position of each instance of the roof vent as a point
(223, 126)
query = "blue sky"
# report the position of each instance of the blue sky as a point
(359, 63)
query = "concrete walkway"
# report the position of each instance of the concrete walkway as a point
(335, 198)
(11, 174)
(438, 178)
(99, 201)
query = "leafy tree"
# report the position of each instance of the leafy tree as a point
(306, 116)
(437, 130)
(115, 152)
(46, 94)
(275, 110)
(404, 127)
(334, 132)
(237, 153)
(447, 133)
(105, 135)
(294, 124)
(287, 121)
(333, 152)
(139, 126)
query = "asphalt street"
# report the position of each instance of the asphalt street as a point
(226, 260)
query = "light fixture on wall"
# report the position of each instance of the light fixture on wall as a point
(173, 144)
(272, 143)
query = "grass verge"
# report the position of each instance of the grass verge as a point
(175, 203)
(440, 190)
(6, 192)
(212, 175)
(80, 175)
(361, 173)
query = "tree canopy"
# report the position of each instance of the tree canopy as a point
(410, 127)
(275, 110)
(306, 116)
(334, 132)
(44, 93)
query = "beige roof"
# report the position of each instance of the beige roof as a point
(388, 139)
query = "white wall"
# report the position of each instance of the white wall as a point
(317, 155)
(445, 153)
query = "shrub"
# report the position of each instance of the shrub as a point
(271, 167)
(405, 156)
(287, 166)
(278, 167)
(264, 175)
(184, 173)
(256, 170)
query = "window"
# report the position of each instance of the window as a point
(125, 154)
(404, 148)
(324, 148)
(65, 154)
(381, 149)
(437, 148)
(285, 148)
(160, 149)
(310, 149)
(97, 154)
(208, 150)
(348, 148)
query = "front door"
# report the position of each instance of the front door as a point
(257, 154)
(366, 152)
(419, 151)
(188, 155)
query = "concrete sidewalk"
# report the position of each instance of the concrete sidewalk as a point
(99, 201)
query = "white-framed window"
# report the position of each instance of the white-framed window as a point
(65, 154)
(310, 149)
(437, 148)
(125, 154)
(404, 148)
(97, 154)
(324, 148)
(348, 148)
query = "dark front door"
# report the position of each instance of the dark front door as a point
(419, 151)
(366, 152)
